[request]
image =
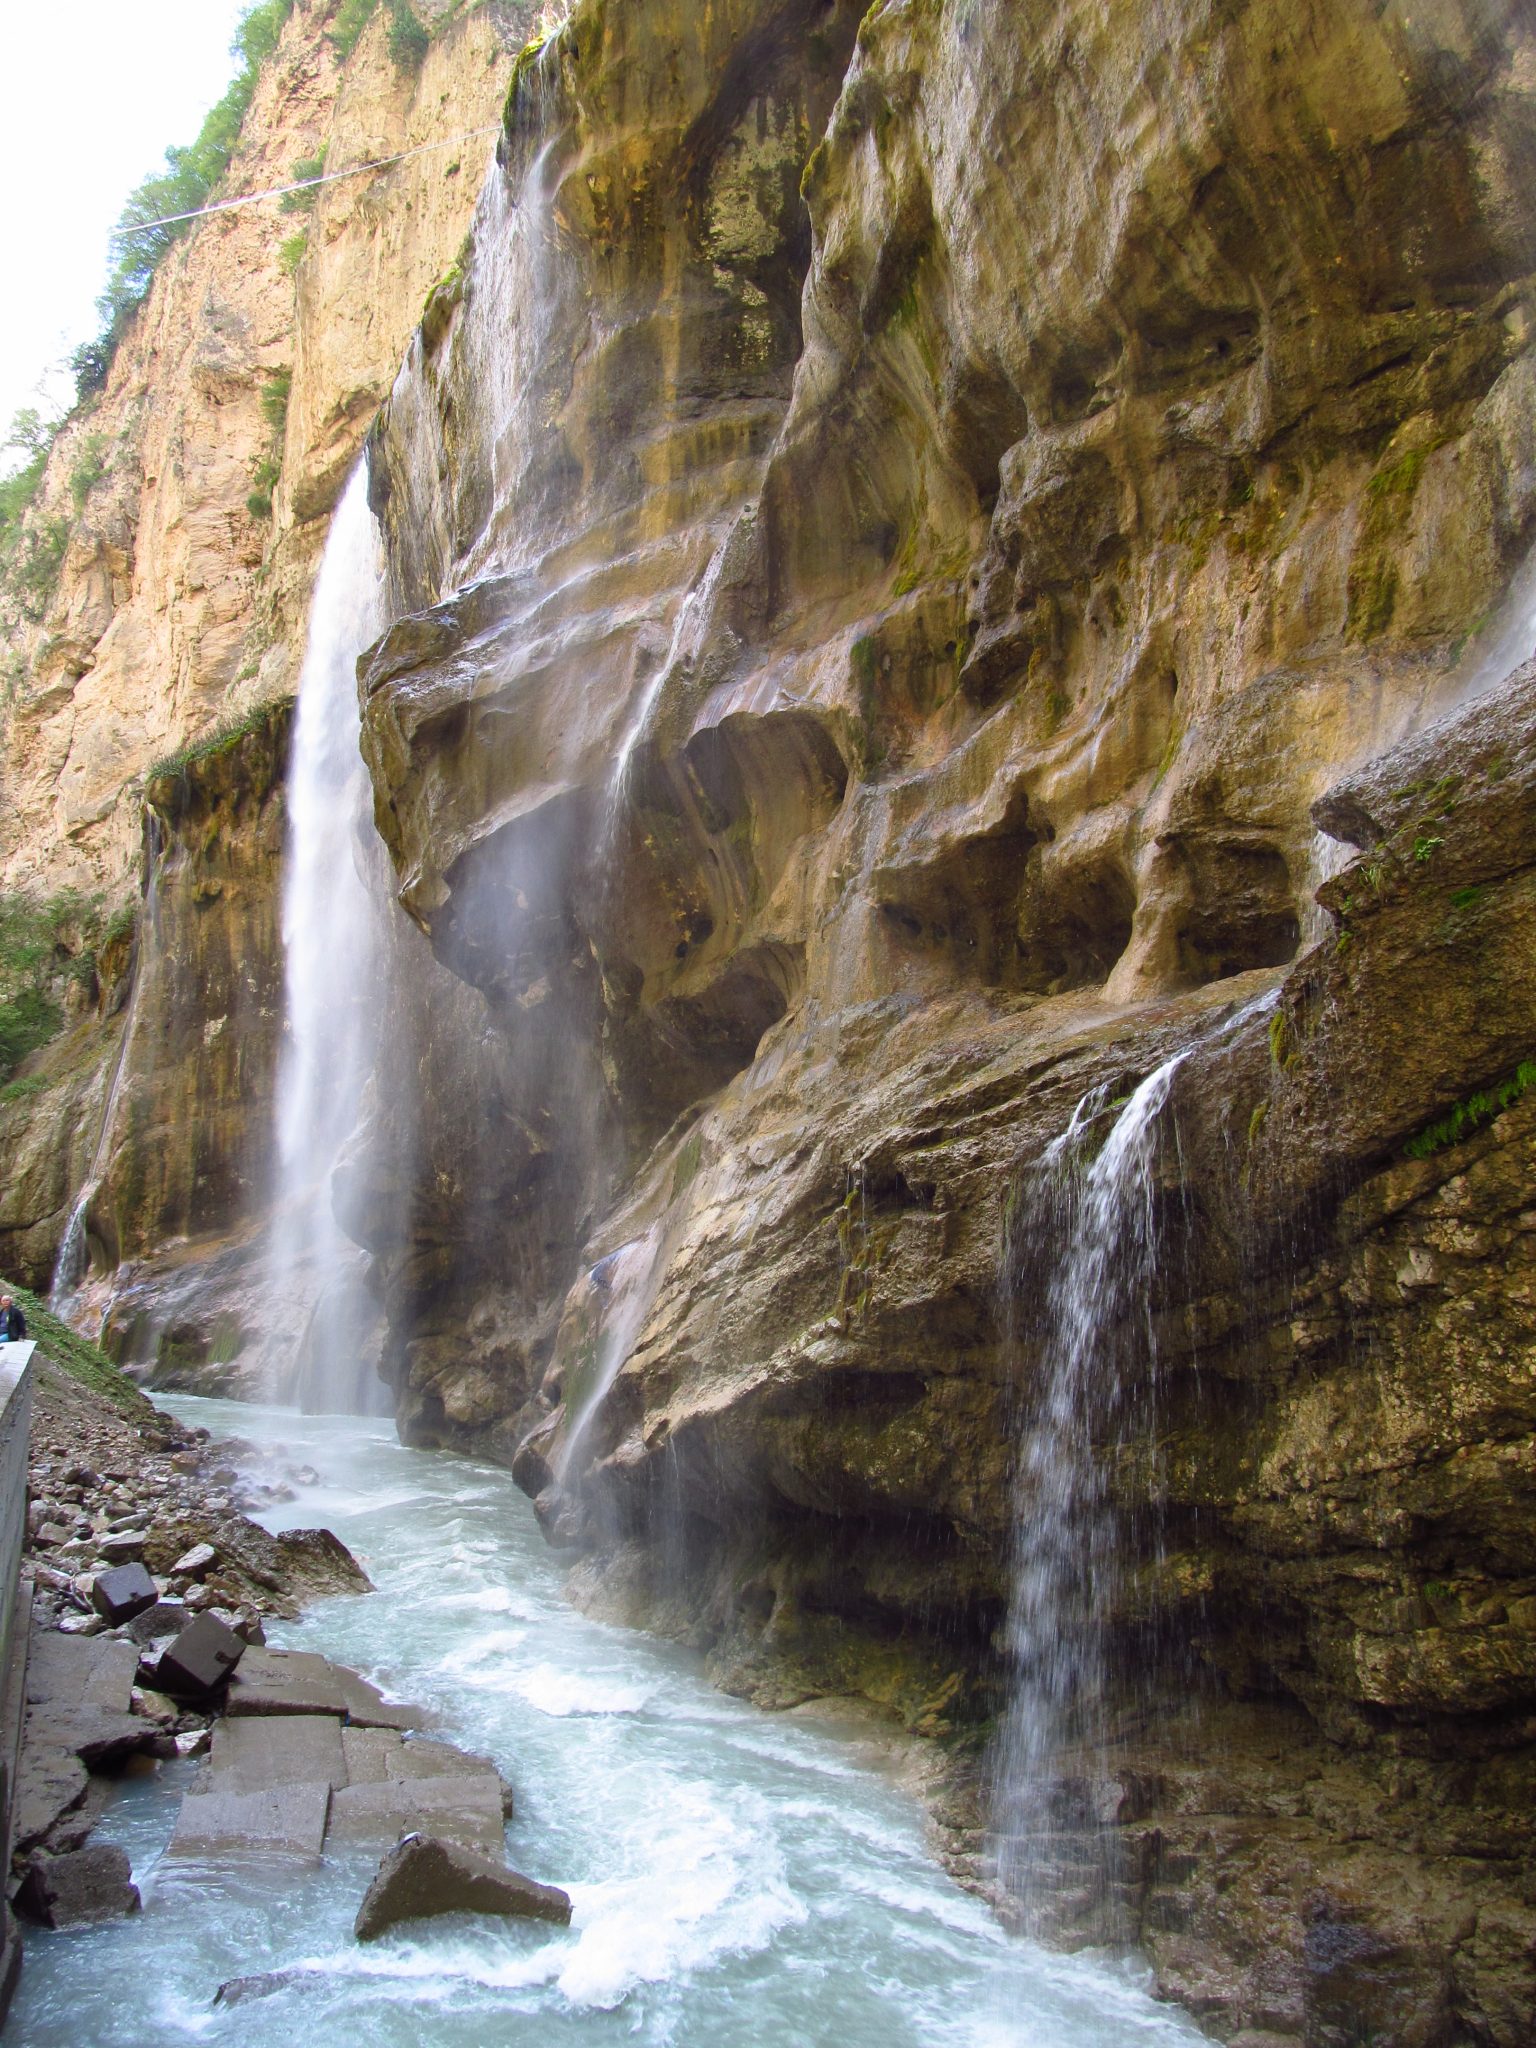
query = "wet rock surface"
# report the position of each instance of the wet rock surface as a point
(78, 1888)
(133, 1660)
(972, 720)
(422, 1877)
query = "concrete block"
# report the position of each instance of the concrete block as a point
(122, 1592)
(464, 1810)
(277, 1749)
(283, 1820)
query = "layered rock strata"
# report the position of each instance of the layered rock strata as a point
(866, 680)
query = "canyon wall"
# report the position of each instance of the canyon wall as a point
(907, 530)
(867, 674)
(163, 664)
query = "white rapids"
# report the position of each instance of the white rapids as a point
(737, 1877)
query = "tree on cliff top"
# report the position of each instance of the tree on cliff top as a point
(185, 184)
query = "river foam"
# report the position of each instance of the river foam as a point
(735, 1878)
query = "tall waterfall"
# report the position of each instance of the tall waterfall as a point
(333, 941)
(1083, 1250)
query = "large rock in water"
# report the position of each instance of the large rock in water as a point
(80, 1888)
(422, 1877)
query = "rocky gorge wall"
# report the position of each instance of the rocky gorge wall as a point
(904, 528)
(160, 669)
(867, 678)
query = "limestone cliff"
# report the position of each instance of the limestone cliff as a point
(906, 534)
(267, 342)
(867, 673)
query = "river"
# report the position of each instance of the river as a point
(737, 1877)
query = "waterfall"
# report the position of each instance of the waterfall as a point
(333, 942)
(1083, 1248)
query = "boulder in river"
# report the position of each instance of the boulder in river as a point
(80, 1888)
(423, 1876)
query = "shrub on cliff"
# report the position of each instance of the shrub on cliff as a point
(45, 945)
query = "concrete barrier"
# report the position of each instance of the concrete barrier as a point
(15, 1429)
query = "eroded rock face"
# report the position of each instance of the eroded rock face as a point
(179, 609)
(864, 685)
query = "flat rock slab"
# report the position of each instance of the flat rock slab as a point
(80, 1888)
(376, 1756)
(286, 1682)
(261, 1750)
(303, 1682)
(368, 1708)
(437, 1760)
(50, 1782)
(79, 1671)
(462, 1810)
(283, 1820)
(425, 1876)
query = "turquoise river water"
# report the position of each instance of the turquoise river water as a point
(737, 1877)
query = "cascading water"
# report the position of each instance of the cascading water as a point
(622, 1288)
(1083, 1249)
(737, 1877)
(333, 907)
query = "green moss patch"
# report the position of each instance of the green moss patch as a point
(77, 1356)
(1472, 1114)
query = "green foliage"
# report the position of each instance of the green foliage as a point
(19, 1091)
(686, 1164)
(1400, 478)
(1469, 1116)
(43, 942)
(259, 504)
(352, 17)
(88, 468)
(30, 550)
(303, 202)
(185, 185)
(31, 437)
(121, 924)
(28, 1019)
(1425, 847)
(226, 735)
(407, 40)
(291, 252)
(30, 563)
(274, 400)
(68, 1350)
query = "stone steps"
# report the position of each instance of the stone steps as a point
(309, 1755)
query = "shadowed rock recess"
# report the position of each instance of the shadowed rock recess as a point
(940, 560)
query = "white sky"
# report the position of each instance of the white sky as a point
(91, 94)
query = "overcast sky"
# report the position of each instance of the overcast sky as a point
(91, 93)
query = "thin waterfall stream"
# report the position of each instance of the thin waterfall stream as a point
(1084, 1243)
(334, 902)
(737, 1876)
